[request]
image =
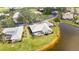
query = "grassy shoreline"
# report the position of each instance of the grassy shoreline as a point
(70, 23)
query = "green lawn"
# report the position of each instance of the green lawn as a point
(33, 10)
(29, 42)
(2, 9)
(70, 23)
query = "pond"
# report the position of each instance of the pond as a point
(69, 40)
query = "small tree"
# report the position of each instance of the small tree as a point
(56, 20)
(7, 23)
(10, 23)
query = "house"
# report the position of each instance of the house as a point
(13, 34)
(76, 10)
(77, 21)
(38, 13)
(41, 9)
(71, 9)
(48, 23)
(39, 29)
(3, 14)
(16, 16)
(68, 16)
(7, 14)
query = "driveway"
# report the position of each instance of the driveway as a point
(69, 38)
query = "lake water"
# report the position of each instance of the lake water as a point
(69, 40)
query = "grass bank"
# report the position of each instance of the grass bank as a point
(70, 23)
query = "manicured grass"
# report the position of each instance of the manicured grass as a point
(33, 10)
(2, 9)
(30, 42)
(70, 23)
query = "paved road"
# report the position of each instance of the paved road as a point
(69, 38)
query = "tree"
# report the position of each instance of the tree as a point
(56, 20)
(29, 16)
(47, 10)
(25, 14)
(7, 23)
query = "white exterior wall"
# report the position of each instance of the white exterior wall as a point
(67, 15)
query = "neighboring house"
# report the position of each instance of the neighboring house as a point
(16, 16)
(77, 21)
(13, 34)
(71, 9)
(3, 14)
(76, 10)
(7, 14)
(40, 29)
(38, 13)
(41, 9)
(68, 16)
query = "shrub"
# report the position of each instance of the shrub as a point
(76, 17)
(7, 23)
(21, 19)
(10, 23)
(47, 10)
(56, 20)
